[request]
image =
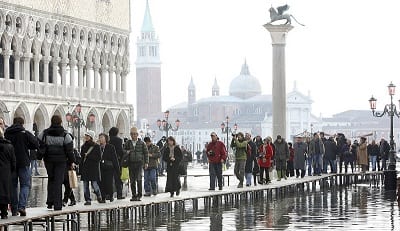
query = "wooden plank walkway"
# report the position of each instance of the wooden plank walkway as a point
(72, 214)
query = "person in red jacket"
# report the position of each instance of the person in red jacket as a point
(265, 154)
(216, 154)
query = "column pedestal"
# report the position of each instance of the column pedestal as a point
(278, 37)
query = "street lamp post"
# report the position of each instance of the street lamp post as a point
(164, 125)
(226, 129)
(75, 121)
(391, 111)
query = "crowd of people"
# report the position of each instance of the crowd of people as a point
(101, 160)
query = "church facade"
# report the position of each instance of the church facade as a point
(57, 55)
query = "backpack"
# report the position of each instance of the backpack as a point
(42, 151)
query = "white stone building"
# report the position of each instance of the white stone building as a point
(56, 54)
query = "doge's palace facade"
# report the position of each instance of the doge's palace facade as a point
(56, 54)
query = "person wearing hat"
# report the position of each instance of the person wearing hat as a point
(240, 144)
(216, 154)
(137, 158)
(281, 156)
(362, 156)
(91, 156)
(300, 157)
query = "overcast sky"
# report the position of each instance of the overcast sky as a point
(348, 50)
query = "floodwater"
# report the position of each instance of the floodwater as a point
(360, 207)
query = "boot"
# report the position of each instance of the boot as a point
(285, 175)
(279, 174)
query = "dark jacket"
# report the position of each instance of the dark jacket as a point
(173, 183)
(108, 155)
(251, 159)
(7, 165)
(137, 153)
(154, 159)
(373, 150)
(90, 169)
(57, 145)
(117, 142)
(330, 150)
(23, 141)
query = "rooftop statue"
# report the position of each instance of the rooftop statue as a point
(278, 14)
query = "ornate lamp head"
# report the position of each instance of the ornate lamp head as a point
(372, 103)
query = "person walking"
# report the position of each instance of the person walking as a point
(300, 157)
(150, 174)
(240, 144)
(289, 163)
(138, 158)
(173, 156)
(216, 154)
(362, 156)
(68, 192)
(90, 171)
(7, 166)
(266, 152)
(58, 148)
(331, 153)
(109, 167)
(316, 151)
(281, 156)
(373, 153)
(186, 159)
(22, 141)
(33, 154)
(117, 143)
(251, 163)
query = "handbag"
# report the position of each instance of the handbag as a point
(73, 179)
(124, 174)
(181, 169)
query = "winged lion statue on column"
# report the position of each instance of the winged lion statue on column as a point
(278, 14)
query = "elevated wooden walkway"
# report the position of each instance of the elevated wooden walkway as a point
(71, 218)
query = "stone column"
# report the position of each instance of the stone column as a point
(80, 78)
(72, 65)
(111, 83)
(6, 61)
(123, 84)
(278, 37)
(96, 77)
(89, 66)
(103, 81)
(17, 57)
(26, 59)
(55, 75)
(36, 61)
(118, 77)
(46, 61)
(64, 63)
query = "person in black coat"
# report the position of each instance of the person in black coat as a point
(109, 167)
(7, 166)
(23, 141)
(58, 149)
(117, 142)
(331, 152)
(90, 169)
(172, 155)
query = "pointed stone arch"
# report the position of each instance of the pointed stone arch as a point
(107, 120)
(41, 117)
(122, 123)
(5, 113)
(93, 125)
(21, 110)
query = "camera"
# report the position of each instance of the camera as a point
(211, 153)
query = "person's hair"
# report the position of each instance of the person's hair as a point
(290, 144)
(56, 120)
(315, 133)
(1, 133)
(172, 139)
(146, 139)
(18, 120)
(105, 136)
(113, 131)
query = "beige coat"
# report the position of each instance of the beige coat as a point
(362, 156)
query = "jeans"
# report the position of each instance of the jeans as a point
(239, 170)
(23, 176)
(55, 172)
(215, 170)
(34, 165)
(135, 176)
(262, 171)
(373, 162)
(150, 185)
(86, 190)
(309, 163)
(317, 159)
(333, 165)
(248, 178)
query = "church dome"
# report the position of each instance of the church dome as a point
(245, 85)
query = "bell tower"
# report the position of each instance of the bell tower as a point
(191, 92)
(148, 70)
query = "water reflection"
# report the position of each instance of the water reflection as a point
(343, 208)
